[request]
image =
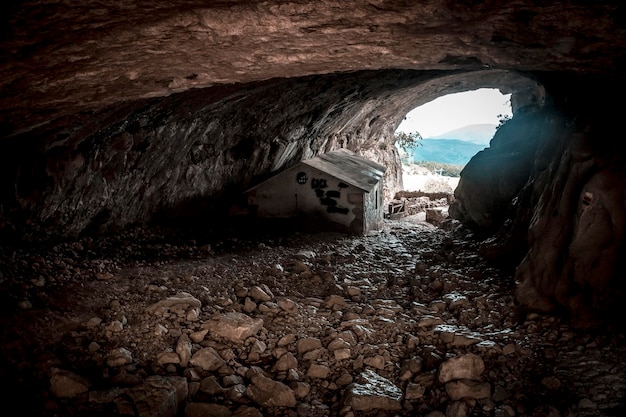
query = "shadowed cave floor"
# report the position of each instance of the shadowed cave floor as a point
(401, 302)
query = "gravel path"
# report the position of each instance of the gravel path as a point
(89, 324)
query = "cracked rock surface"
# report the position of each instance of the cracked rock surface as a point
(410, 321)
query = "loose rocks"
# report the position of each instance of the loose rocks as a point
(408, 322)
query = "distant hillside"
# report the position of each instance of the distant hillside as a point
(480, 133)
(447, 151)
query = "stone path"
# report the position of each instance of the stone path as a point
(409, 322)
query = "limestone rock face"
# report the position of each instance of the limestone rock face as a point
(373, 393)
(64, 59)
(494, 176)
(560, 214)
(576, 235)
(115, 113)
(192, 154)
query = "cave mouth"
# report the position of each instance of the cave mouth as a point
(437, 139)
(187, 157)
(445, 133)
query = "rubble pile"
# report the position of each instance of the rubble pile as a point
(434, 206)
(408, 322)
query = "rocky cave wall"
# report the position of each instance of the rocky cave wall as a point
(557, 211)
(191, 155)
(113, 113)
(188, 154)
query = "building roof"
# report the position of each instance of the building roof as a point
(346, 166)
(349, 167)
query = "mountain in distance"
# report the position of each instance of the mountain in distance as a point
(480, 133)
(456, 147)
(445, 151)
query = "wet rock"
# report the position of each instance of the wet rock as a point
(373, 392)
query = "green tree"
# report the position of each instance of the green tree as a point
(407, 141)
(503, 119)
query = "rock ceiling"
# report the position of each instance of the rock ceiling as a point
(63, 57)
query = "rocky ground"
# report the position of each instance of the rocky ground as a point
(407, 322)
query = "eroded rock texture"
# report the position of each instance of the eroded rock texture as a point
(113, 113)
(559, 209)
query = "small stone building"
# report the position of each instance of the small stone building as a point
(339, 187)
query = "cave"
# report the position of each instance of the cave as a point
(136, 127)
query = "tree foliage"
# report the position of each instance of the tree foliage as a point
(503, 119)
(407, 141)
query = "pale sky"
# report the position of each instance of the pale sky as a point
(450, 112)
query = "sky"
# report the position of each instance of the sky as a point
(453, 111)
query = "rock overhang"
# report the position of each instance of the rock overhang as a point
(63, 59)
(93, 90)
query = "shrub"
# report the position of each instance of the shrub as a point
(442, 169)
(407, 141)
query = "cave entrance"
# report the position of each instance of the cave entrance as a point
(437, 139)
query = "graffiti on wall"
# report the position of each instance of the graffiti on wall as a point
(328, 198)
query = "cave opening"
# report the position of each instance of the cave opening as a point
(447, 133)
(437, 139)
